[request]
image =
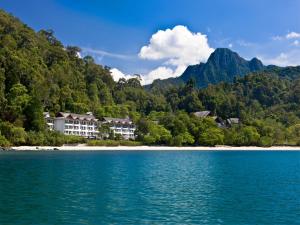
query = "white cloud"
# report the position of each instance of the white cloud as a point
(117, 74)
(288, 36)
(296, 43)
(292, 35)
(177, 48)
(277, 38)
(162, 72)
(101, 53)
(290, 58)
(230, 45)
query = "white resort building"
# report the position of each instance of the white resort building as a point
(86, 125)
(124, 127)
(49, 120)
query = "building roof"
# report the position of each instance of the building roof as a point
(233, 120)
(117, 120)
(202, 114)
(75, 116)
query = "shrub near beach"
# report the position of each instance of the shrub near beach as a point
(113, 143)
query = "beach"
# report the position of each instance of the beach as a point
(82, 147)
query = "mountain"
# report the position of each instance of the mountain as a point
(222, 65)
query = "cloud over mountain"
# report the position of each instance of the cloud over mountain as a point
(117, 74)
(176, 48)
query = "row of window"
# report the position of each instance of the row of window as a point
(50, 121)
(88, 134)
(120, 132)
(124, 127)
(80, 122)
(130, 135)
(80, 133)
(77, 127)
(125, 130)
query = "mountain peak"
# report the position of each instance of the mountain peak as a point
(223, 52)
(223, 65)
(255, 64)
(223, 57)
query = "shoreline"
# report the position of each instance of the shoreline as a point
(83, 147)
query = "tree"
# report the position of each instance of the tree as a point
(211, 137)
(49, 35)
(183, 139)
(73, 51)
(152, 133)
(248, 136)
(3, 141)
(34, 115)
(2, 89)
(15, 135)
(104, 131)
(191, 103)
(18, 100)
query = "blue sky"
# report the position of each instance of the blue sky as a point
(114, 32)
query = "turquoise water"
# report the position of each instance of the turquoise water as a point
(185, 187)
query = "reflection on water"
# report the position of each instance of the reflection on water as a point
(150, 188)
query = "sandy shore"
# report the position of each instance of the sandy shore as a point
(153, 148)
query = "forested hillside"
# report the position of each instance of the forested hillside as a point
(38, 73)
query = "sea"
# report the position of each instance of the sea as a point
(150, 187)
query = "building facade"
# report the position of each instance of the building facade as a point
(49, 120)
(123, 127)
(85, 125)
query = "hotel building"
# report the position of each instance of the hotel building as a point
(123, 127)
(85, 125)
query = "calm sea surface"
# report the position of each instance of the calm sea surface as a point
(186, 187)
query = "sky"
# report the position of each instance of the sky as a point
(160, 38)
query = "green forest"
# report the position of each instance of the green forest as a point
(38, 73)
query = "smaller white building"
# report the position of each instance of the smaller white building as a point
(85, 125)
(124, 127)
(49, 120)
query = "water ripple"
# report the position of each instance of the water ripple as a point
(150, 188)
